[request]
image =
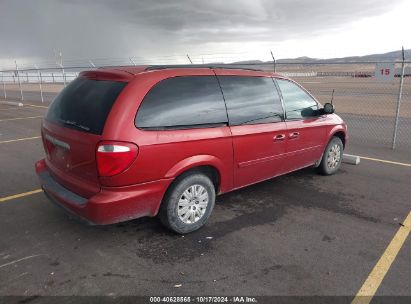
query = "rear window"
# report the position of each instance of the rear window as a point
(183, 102)
(85, 104)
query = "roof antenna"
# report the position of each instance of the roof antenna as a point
(332, 96)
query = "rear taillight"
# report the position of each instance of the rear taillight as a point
(114, 157)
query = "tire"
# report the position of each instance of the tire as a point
(188, 203)
(332, 157)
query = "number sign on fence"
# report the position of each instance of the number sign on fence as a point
(385, 72)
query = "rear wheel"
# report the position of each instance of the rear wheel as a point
(332, 157)
(188, 204)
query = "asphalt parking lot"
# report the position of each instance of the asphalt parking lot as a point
(300, 234)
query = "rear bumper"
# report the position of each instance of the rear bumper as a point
(110, 205)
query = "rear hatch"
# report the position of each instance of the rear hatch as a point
(72, 128)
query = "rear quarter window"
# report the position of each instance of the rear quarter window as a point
(183, 102)
(85, 104)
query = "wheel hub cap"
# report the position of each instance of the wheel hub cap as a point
(192, 204)
(334, 156)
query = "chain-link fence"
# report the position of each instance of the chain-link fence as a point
(367, 104)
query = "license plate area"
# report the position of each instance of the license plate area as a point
(59, 152)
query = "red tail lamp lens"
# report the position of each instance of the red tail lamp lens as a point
(115, 157)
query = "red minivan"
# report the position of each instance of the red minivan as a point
(127, 142)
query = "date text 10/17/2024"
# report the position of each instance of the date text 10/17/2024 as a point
(203, 299)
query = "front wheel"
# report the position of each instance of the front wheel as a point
(332, 157)
(188, 203)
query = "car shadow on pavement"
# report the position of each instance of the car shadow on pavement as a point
(260, 204)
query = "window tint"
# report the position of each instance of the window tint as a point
(85, 104)
(183, 102)
(298, 104)
(251, 100)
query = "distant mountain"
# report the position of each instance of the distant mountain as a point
(390, 56)
(249, 62)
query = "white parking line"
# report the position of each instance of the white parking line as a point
(35, 106)
(18, 139)
(19, 118)
(386, 161)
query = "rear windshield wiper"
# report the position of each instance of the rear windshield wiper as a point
(74, 124)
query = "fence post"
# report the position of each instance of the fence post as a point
(60, 63)
(41, 87)
(397, 113)
(274, 61)
(4, 85)
(18, 77)
(64, 74)
(40, 83)
(191, 62)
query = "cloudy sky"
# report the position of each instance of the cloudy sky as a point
(210, 30)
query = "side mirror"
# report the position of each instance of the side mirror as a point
(328, 108)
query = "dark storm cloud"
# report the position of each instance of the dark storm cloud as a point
(91, 29)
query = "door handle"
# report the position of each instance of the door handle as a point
(294, 135)
(279, 137)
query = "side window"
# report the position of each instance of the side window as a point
(183, 102)
(298, 104)
(251, 100)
